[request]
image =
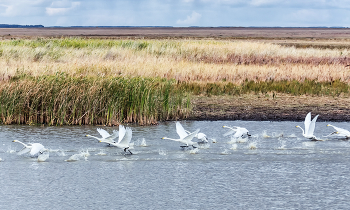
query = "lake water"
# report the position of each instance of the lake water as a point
(277, 168)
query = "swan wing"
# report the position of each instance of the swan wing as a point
(114, 135)
(103, 133)
(127, 138)
(229, 133)
(191, 136)
(180, 130)
(239, 133)
(201, 136)
(312, 126)
(307, 123)
(122, 132)
(36, 147)
(23, 151)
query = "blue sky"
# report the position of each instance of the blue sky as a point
(285, 13)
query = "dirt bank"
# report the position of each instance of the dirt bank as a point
(269, 108)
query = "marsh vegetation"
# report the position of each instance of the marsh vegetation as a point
(101, 81)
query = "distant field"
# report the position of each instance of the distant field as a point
(172, 32)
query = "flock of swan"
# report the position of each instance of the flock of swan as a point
(122, 138)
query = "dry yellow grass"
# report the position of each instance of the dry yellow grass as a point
(183, 60)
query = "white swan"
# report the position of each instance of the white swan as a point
(34, 148)
(340, 131)
(185, 138)
(106, 137)
(200, 136)
(239, 131)
(309, 127)
(125, 135)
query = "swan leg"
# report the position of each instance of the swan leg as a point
(130, 152)
(183, 147)
(194, 147)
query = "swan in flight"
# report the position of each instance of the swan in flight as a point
(340, 131)
(106, 137)
(34, 148)
(239, 131)
(125, 135)
(200, 136)
(185, 138)
(309, 127)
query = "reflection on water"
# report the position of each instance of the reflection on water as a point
(275, 168)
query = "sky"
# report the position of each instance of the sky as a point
(177, 13)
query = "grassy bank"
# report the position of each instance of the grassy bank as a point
(75, 81)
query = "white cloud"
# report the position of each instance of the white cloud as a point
(61, 7)
(258, 3)
(191, 19)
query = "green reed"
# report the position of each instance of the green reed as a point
(64, 100)
(293, 87)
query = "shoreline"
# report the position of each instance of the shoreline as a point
(266, 108)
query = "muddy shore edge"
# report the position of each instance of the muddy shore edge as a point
(268, 108)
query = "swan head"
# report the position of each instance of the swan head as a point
(224, 126)
(297, 126)
(329, 125)
(163, 138)
(87, 135)
(15, 141)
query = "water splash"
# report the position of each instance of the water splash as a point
(203, 146)
(143, 143)
(252, 145)
(43, 157)
(234, 146)
(225, 152)
(264, 134)
(102, 152)
(282, 144)
(76, 157)
(193, 151)
(277, 135)
(10, 150)
(308, 144)
(237, 140)
(162, 152)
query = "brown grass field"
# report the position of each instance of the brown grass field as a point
(206, 55)
(178, 32)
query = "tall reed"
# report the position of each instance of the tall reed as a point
(64, 100)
